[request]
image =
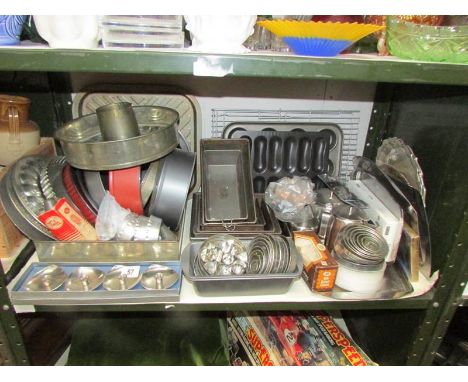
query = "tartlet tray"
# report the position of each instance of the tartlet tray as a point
(99, 296)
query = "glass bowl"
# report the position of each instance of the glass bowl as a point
(320, 47)
(317, 38)
(319, 29)
(427, 43)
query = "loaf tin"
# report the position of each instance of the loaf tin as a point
(282, 149)
(99, 296)
(227, 181)
(197, 231)
(242, 285)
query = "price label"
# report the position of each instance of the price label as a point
(128, 271)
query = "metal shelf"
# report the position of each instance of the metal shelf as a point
(355, 67)
(298, 297)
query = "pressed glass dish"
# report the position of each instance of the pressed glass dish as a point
(427, 43)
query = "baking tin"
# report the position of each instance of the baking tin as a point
(360, 252)
(221, 255)
(117, 121)
(159, 277)
(117, 279)
(84, 279)
(84, 205)
(124, 186)
(242, 285)
(227, 193)
(21, 216)
(288, 149)
(258, 225)
(47, 279)
(171, 187)
(342, 216)
(269, 254)
(271, 226)
(99, 296)
(95, 187)
(82, 142)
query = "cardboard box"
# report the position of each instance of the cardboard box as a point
(291, 339)
(320, 268)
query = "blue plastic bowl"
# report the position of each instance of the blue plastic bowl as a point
(10, 29)
(322, 47)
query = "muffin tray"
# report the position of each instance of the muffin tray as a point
(279, 150)
(99, 296)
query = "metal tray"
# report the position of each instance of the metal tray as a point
(271, 225)
(106, 251)
(244, 285)
(282, 149)
(227, 181)
(99, 296)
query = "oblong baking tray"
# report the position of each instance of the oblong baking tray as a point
(271, 225)
(84, 148)
(227, 193)
(243, 285)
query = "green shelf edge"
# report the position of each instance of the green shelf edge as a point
(421, 302)
(368, 68)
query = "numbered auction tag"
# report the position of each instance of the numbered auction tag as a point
(128, 271)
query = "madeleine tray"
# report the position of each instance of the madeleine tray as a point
(242, 285)
(99, 296)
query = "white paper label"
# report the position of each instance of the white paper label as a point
(129, 271)
(211, 67)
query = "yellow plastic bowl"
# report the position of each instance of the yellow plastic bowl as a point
(319, 29)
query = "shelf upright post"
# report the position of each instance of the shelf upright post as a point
(12, 347)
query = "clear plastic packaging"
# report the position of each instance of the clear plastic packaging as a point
(164, 31)
(117, 223)
(289, 196)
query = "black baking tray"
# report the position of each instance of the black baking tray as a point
(279, 150)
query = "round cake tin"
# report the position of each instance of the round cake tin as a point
(171, 187)
(84, 147)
